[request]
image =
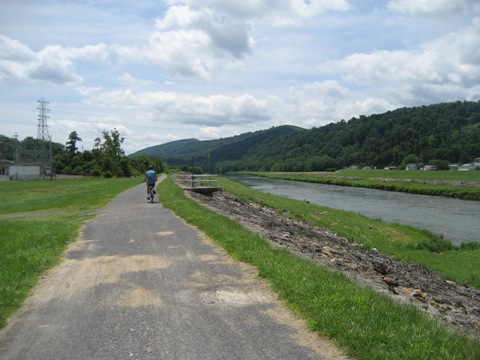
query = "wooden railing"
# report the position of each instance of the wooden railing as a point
(199, 183)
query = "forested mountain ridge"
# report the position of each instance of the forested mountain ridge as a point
(202, 153)
(448, 132)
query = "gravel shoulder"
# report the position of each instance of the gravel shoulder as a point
(453, 304)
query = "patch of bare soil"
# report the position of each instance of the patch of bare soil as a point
(449, 302)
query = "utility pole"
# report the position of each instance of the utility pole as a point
(16, 157)
(51, 160)
(42, 134)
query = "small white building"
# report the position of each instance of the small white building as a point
(429, 167)
(476, 162)
(467, 167)
(20, 172)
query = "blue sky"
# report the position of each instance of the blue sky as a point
(159, 71)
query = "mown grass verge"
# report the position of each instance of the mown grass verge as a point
(31, 245)
(28, 248)
(413, 187)
(65, 195)
(364, 324)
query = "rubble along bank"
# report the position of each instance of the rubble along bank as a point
(454, 304)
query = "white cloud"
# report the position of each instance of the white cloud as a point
(282, 12)
(180, 108)
(195, 43)
(94, 53)
(451, 60)
(177, 16)
(129, 80)
(428, 7)
(53, 64)
(320, 103)
(197, 38)
(14, 50)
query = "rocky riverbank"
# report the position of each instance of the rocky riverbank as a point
(456, 305)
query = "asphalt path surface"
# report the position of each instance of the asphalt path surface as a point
(139, 283)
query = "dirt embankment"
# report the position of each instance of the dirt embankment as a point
(454, 304)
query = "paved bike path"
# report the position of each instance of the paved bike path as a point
(141, 284)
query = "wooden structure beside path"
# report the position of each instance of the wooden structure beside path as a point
(205, 184)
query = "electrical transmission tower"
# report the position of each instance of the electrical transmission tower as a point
(42, 135)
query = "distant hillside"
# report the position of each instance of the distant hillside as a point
(443, 133)
(210, 152)
(170, 149)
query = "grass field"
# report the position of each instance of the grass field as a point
(44, 217)
(466, 176)
(438, 183)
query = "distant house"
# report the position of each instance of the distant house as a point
(453, 166)
(411, 166)
(467, 167)
(429, 167)
(476, 161)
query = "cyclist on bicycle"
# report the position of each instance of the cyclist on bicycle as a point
(150, 179)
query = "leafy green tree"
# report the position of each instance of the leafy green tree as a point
(71, 147)
(111, 153)
(440, 164)
(112, 144)
(410, 159)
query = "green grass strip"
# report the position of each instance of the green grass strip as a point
(65, 195)
(29, 246)
(413, 187)
(366, 325)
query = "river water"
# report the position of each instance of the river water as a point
(457, 221)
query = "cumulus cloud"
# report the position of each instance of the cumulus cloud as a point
(182, 108)
(427, 7)
(99, 53)
(14, 50)
(196, 38)
(451, 60)
(127, 79)
(160, 116)
(194, 43)
(322, 102)
(282, 12)
(214, 110)
(53, 64)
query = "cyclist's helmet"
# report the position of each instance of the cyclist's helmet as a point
(150, 167)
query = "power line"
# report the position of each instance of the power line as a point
(43, 135)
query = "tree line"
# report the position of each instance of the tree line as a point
(106, 159)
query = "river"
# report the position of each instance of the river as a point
(457, 221)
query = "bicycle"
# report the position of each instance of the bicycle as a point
(151, 192)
